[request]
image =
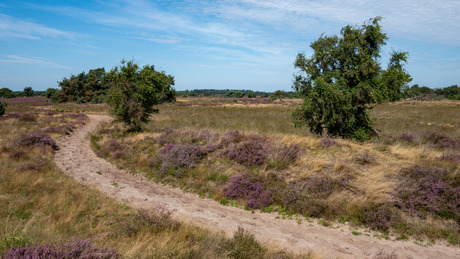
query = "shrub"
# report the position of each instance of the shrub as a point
(2, 108)
(284, 155)
(231, 137)
(110, 147)
(36, 139)
(180, 155)
(428, 190)
(133, 92)
(249, 187)
(343, 78)
(244, 245)
(379, 216)
(365, 158)
(76, 248)
(252, 151)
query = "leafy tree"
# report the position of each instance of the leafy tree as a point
(82, 87)
(51, 93)
(7, 93)
(28, 91)
(343, 78)
(134, 92)
(2, 108)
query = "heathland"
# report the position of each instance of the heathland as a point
(242, 152)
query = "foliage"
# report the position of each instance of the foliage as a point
(244, 245)
(82, 87)
(28, 92)
(234, 94)
(6, 93)
(134, 91)
(343, 77)
(3, 108)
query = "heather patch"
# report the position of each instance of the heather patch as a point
(177, 156)
(253, 150)
(249, 187)
(35, 139)
(111, 147)
(428, 191)
(440, 140)
(76, 248)
(449, 157)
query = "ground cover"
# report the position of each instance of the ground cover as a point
(45, 212)
(406, 183)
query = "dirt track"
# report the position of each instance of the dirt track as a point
(77, 160)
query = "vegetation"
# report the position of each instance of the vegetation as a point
(2, 108)
(134, 92)
(81, 88)
(249, 156)
(343, 77)
(44, 211)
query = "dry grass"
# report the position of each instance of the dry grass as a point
(39, 204)
(365, 174)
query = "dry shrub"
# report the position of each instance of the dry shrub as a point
(329, 142)
(284, 155)
(382, 254)
(28, 117)
(18, 154)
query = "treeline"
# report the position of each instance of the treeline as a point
(450, 92)
(92, 87)
(232, 93)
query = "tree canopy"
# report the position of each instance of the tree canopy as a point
(343, 77)
(133, 92)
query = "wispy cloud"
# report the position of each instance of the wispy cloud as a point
(11, 27)
(424, 20)
(31, 60)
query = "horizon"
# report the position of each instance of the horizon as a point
(238, 45)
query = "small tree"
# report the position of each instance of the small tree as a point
(133, 92)
(343, 77)
(6, 93)
(28, 91)
(2, 108)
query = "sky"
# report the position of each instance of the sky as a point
(220, 44)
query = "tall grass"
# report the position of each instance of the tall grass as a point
(329, 178)
(41, 208)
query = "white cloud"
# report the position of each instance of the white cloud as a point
(11, 27)
(30, 60)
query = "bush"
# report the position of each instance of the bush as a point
(244, 245)
(252, 151)
(134, 91)
(111, 147)
(343, 78)
(440, 140)
(36, 139)
(329, 142)
(249, 187)
(178, 156)
(2, 108)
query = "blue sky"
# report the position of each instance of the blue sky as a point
(240, 44)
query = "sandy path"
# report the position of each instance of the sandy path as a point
(77, 160)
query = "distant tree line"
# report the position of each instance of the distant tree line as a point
(231, 93)
(450, 92)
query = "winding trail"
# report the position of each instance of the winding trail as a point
(77, 160)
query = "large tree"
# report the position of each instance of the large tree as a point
(84, 87)
(343, 77)
(133, 92)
